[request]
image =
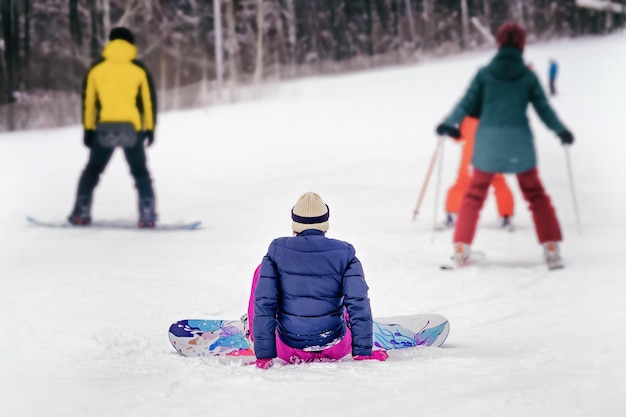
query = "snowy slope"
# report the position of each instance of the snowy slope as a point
(86, 312)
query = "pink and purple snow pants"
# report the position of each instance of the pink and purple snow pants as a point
(292, 355)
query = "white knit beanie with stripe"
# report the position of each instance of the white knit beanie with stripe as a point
(310, 212)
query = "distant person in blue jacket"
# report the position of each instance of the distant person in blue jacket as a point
(310, 298)
(553, 71)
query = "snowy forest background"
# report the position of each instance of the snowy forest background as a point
(203, 51)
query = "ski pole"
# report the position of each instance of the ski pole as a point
(433, 160)
(437, 188)
(573, 190)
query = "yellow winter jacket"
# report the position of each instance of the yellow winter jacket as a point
(119, 89)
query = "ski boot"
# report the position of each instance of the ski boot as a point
(81, 215)
(461, 255)
(450, 220)
(147, 215)
(506, 223)
(552, 255)
(448, 223)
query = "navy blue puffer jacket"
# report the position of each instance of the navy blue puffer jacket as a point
(305, 283)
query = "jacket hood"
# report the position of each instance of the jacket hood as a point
(508, 64)
(119, 50)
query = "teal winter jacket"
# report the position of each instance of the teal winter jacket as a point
(500, 92)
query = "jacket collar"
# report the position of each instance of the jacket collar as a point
(311, 232)
(508, 64)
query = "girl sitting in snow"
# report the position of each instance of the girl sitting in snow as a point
(309, 296)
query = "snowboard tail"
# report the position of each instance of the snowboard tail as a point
(199, 338)
(410, 331)
(113, 224)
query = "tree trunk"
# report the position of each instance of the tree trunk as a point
(163, 87)
(370, 28)
(278, 45)
(94, 44)
(411, 21)
(520, 13)
(77, 39)
(314, 32)
(27, 69)
(10, 32)
(219, 47)
(260, 23)
(177, 72)
(427, 16)
(487, 11)
(291, 34)
(75, 31)
(106, 17)
(3, 70)
(232, 46)
(465, 24)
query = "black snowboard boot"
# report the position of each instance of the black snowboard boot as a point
(147, 214)
(81, 215)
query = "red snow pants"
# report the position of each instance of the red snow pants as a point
(504, 197)
(544, 216)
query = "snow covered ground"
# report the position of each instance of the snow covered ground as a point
(85, 312)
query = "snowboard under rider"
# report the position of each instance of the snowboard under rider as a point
(309, 299)
(119, 109)
(501, 91)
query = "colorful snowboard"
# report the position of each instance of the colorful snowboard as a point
(210, 338)
(114, 224)
(197, 338)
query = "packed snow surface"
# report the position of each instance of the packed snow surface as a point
(85, 312)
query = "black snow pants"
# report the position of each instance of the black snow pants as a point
(100, 156)
(553, 86)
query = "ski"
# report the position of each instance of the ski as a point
(113, 224)
(476, 257)
(555, 265)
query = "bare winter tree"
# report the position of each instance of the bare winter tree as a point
(233, 48)
(10, 33)
(260, 24)
(26, 60)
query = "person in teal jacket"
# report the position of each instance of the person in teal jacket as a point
(501, 92)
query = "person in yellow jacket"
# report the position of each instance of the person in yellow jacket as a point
(119, 110)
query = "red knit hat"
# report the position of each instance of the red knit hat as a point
(511, 34)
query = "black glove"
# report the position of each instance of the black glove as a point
(566, 137)
(148, 136)
(88, 137)
(446, 130)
